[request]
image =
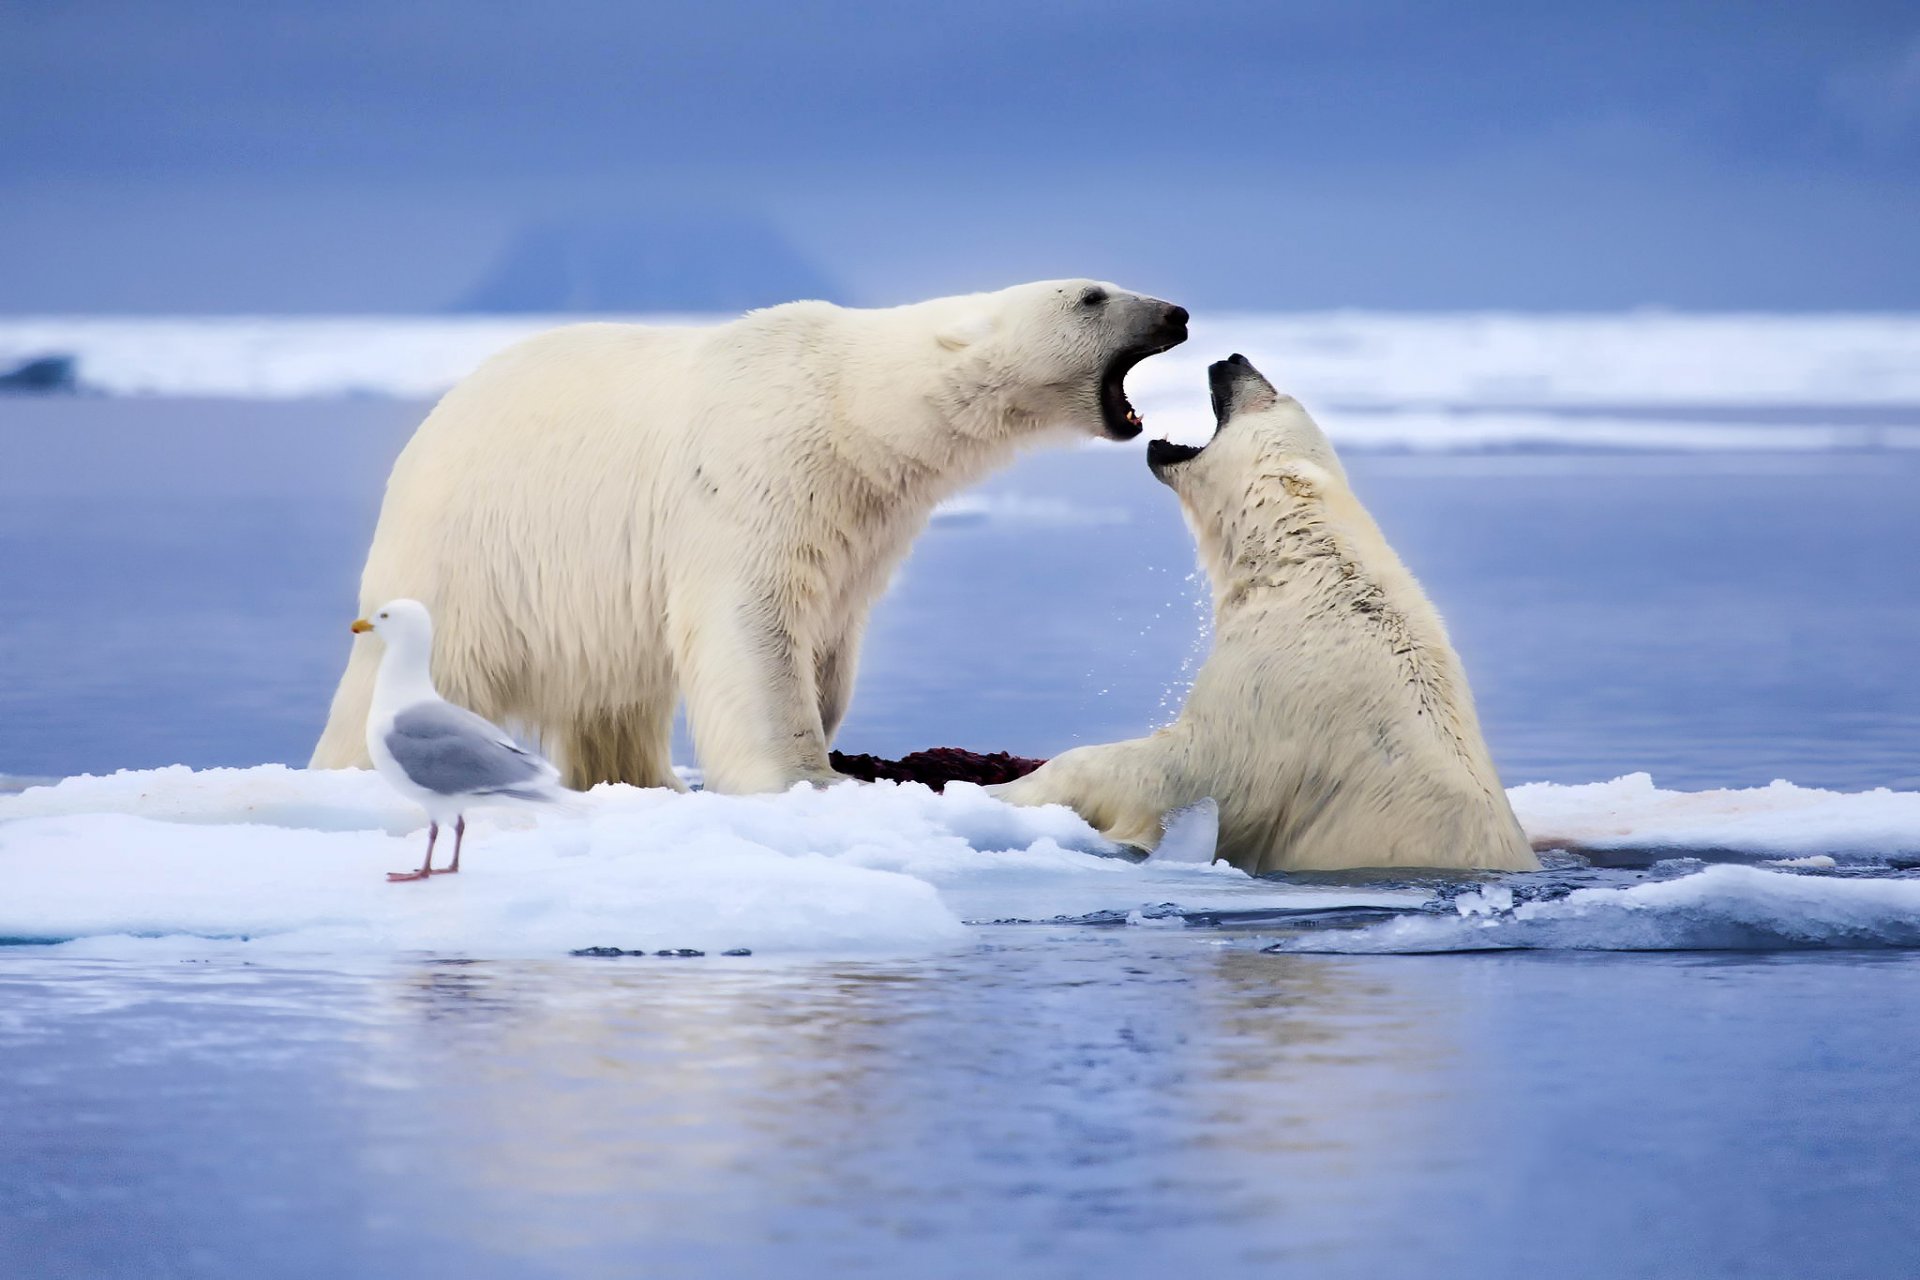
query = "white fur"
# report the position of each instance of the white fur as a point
(607, 518)
(1332, 722)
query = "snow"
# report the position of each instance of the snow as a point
(1778, 820)
(269, 357)
(1456, 431)
(1378, 380)
(973, 508)
(1443, 382)
(290, 859)
(295, 860)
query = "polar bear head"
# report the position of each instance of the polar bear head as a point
(1263, 445)
(1056, 353)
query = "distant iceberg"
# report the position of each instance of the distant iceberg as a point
(40, 375)
(656, 261)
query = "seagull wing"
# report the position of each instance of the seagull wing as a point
(452, 751)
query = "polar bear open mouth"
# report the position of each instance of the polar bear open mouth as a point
(1165, 453)
(1117, 414)
(1222, 376)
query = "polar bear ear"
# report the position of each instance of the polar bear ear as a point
(965, 331)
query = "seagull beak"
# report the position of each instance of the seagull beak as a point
(360, 625)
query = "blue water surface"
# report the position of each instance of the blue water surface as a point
(1050, 1100)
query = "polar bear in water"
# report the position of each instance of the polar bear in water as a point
(1332, 723)
(608, 518)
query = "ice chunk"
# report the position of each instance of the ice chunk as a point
(1192, 834)
(1720, 908)
(1780, 820)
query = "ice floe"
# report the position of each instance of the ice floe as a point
(292, 858)
(1780, 820)
(289, 859)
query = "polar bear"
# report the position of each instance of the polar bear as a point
(608, 518)
(1332, 724)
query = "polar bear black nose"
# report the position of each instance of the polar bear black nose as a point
(1172, 328)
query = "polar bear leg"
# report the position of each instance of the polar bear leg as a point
(633, 745)
(1125, 790)
(343, 744)
(752, 700)
(834, 665)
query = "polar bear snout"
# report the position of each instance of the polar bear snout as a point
(1166, 327)
(1163, 326)
(1235, 386)
(1241, 394)
(1162, 454)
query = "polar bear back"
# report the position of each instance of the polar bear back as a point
(503, 502)
(1334, 706)
(610, 521)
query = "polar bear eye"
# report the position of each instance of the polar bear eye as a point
(1093, 297)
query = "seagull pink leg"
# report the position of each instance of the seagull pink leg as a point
(426, 868)
(459, 834)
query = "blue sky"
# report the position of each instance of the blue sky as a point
(395, 156)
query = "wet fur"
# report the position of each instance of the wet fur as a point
(1332, 722)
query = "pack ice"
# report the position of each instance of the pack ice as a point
(295, 859)
(292, 860)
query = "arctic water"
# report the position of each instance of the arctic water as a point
(968, 1044)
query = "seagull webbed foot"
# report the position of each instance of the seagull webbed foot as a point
(426, 868)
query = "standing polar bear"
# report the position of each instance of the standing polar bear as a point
(608, 518)
(1332, 723)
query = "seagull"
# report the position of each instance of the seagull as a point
(441, 756)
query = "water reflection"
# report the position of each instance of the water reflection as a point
(1027, 1103)
(1079, 1102)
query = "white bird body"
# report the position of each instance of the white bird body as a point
(441, 756)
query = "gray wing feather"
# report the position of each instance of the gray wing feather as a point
(452, 751)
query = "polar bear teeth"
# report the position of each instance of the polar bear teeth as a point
(1121, 419)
